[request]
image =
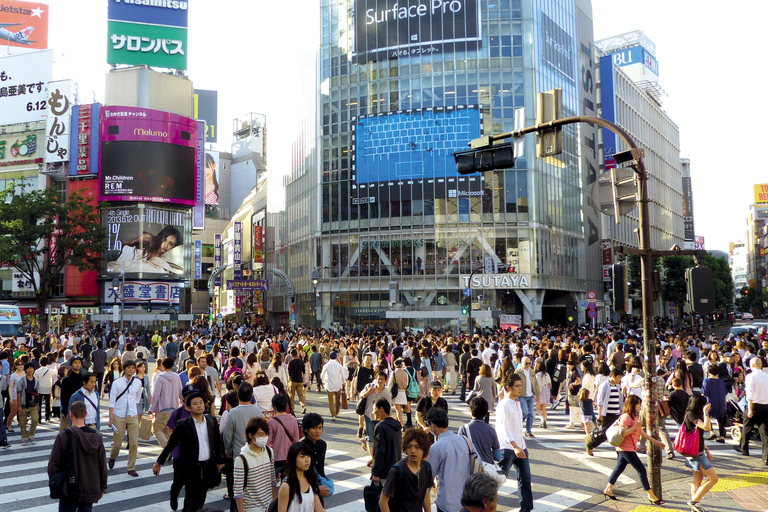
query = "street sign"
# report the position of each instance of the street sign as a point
(115, 313)
(592, 306)
(592, 313)
(583, 304)
(591, 296)
(671, 311)
(467, 292)
(221, 316)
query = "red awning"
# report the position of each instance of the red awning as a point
(29, 311)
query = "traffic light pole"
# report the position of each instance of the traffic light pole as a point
(646, 257)
(470, 329)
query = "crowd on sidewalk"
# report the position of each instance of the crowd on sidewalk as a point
(223, 402)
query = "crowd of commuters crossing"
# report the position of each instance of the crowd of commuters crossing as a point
(230, 404)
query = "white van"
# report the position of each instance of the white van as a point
(10, 323)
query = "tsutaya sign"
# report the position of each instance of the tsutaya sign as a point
(493, 281)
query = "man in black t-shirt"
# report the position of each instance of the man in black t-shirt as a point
(408, 482)
(296, 371)
(678, 401)
(434, 399)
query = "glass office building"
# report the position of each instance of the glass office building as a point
(400, 235)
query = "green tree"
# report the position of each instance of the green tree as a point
(673, 287)
(635, 279)
(722, 280)
(40, 234)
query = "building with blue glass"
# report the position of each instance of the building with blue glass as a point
(398, 237)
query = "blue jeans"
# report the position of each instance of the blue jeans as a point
(528, 404)
(631, 458)
(523, 472)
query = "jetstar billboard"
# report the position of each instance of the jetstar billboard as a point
(23, 25)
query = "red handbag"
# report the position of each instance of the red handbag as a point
(687, 443)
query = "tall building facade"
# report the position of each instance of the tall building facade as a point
(631, 98)
(400, 237)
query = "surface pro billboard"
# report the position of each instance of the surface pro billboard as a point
(147, 155)
(386, 29)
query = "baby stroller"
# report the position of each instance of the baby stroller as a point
(734, 410)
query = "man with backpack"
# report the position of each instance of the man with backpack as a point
(411, 391)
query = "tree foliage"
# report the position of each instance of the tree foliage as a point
(674, 288)
(40, 235)
(748, 300)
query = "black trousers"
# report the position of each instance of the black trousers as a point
(229, 473)
(45, 398)
(596, 440)
(99, 381)
(759, 419)
(195, 486)
(177, 484)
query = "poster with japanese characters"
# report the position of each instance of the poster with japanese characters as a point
(57, 128)
(154, 45)
(24, 86)
(155, 292)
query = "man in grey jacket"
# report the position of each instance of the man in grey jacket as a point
(234, 433)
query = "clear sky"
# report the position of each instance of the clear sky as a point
(709, 55)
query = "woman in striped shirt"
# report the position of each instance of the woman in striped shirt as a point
(254, 473)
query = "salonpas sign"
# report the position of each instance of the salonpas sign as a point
(496, 281)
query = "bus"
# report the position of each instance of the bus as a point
(10, 323)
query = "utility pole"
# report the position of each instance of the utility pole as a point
(468, 162)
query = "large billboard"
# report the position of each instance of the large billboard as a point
(146, 292)
(608, 98)
(23, 25)
(84, 140)
(761, 193)
(151, 32)
(153, 45)
(199, 211)
(24, 86)
(386, 29)
(688, 228)
(147, 155)
(557, 49)
(408, 154)
(147, 242)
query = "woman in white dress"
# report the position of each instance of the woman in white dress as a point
(277, 369)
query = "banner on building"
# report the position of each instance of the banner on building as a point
(199, 212)
(688, 228)
(207, 109)
(161, 292)
(217, 256)
(211, 178)
(238, 250)
(761, 193)
(258, 244)
(84, 140)
(248, 285)
(198, 259)
(21, 148)
(58, 123)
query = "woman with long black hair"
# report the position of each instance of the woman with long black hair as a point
(299, 491)
(697, 420)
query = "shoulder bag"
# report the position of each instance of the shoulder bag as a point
(687, 443)
(615, 434)
(491, 469)
(63, 484)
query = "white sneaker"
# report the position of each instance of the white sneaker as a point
(31, 440)
(23, 442)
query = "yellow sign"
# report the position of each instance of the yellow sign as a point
(761, 193)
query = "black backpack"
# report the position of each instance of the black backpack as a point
(560, 372)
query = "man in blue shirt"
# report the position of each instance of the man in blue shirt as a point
(450, 460)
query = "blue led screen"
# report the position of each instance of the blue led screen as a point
(417, 144)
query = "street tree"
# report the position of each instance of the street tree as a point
(673, 287)
(40, 234)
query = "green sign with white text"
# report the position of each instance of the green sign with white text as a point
(154, 45)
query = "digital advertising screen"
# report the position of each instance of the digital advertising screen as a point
(147, 242)
(409, 153)
(386, 29)
(147, 156)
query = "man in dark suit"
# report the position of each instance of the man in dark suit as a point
(202, 453)
(726, 371)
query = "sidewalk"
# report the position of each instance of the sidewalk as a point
(743, 485)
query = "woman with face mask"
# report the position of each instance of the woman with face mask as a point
(254, 473)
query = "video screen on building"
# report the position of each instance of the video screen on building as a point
(147, 171)
(386, 29)
(412, 147)
(147, 242)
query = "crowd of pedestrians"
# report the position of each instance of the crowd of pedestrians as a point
(232, 402)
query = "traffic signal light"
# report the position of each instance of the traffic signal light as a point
(701, 289)
(485, 156)
(620, 290)
(618, 192)
(149, 308)
(464, 309)
(549, 107)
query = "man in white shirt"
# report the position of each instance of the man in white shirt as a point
(88, 395)
(487, 353)
(509, 429)
(334, 375)
(756, 414)
(124, 394)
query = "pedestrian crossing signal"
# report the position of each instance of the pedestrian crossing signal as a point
(464, 309)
